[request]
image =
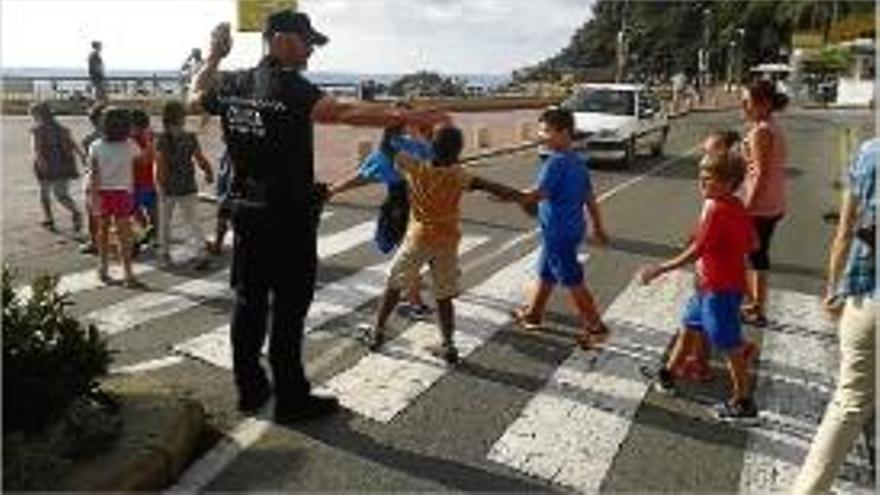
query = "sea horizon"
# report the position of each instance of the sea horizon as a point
(488, 79)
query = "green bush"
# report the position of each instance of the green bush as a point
(49, 358)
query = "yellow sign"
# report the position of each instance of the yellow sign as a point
(252, 13)
(807, 39)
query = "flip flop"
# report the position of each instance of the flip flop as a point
(592, 335)
(519, 316)
(753, 318)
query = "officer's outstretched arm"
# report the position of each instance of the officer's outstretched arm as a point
(329, 110)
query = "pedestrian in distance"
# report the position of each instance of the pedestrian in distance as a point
(436, 188)
(112, 159)
(55, 152)
(562, 192)
(97, 76)
(378, 167)
(267, 113)
(93, 213)
(766, 153)
(850, 298)
(145, 207)
(724, 238)
(177, 153)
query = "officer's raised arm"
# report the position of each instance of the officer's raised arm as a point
(206, 77)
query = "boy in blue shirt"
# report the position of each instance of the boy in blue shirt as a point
(562, 192)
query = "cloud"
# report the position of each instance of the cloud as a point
(447, 35)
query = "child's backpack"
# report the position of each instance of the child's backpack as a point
(393, 219)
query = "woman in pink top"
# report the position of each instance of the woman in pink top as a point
(764, 187)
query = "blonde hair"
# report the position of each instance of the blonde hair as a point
(727, 166)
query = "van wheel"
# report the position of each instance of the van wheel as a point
(629, 158)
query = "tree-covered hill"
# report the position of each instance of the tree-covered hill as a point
(663, 37)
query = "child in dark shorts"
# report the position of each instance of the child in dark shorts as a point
(145, 206)
(723, 240)
(224, 205)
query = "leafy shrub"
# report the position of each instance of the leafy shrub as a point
(49, 358)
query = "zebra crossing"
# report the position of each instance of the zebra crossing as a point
(570, 432)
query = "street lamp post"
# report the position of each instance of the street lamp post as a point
(731, 52)
(703, 55)
(621, 55)
(741, 38)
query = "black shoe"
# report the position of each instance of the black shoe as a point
(743, 411)
(251, 403)
(447, 352)
(661, 376)
(373, 337)
(310, 407)
(202, 264)
(88, 248)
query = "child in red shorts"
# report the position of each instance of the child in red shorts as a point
(112, 180)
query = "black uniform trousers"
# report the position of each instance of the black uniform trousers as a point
(273, 272)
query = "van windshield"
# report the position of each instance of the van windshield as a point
(609, 101)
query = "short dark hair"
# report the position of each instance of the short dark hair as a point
(116, 124)
(173, 114)
(140, 119)
(42, 112)
(560, 119)
(447, 144)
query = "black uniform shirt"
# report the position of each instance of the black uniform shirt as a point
(266, 116)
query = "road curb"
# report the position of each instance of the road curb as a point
(160, 436)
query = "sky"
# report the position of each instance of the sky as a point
(366, 36)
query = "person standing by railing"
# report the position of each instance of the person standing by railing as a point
(96, 73)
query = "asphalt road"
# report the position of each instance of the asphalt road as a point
(523, 411)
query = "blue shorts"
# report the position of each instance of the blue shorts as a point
(145, 198)
(717, 315)
(558, 263)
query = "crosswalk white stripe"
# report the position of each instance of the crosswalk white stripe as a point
(330, 302)
(85, 280)
(800, 343)
(381, 385)
(571, 430)
(143, 308)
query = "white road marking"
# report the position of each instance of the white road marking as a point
(799, 353)
(221, 455)
(381, 385)
(571, 430)
(152, 305)
(153, 364)
(331, 301)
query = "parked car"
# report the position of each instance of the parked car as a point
(617, 121)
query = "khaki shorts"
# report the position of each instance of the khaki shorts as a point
(410, 258)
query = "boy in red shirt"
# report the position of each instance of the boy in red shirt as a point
(723, 240)
(145, 208)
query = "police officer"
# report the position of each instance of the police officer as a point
(267, 114)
